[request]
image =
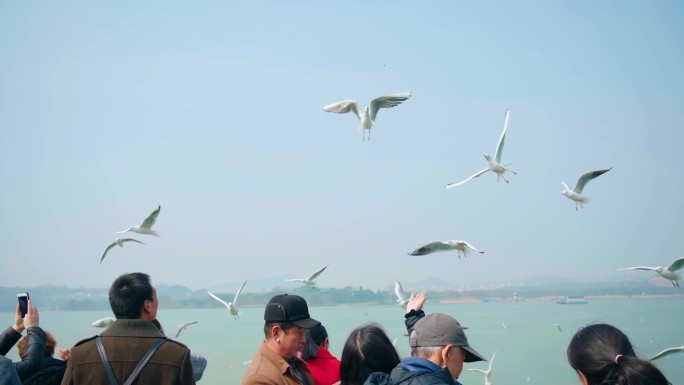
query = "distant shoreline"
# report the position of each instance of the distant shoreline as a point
(557, 298)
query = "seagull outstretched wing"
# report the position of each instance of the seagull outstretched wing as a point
(316, 274)
(676, 265)
(342, 107)
(399, 291)
(450, 185)
(639, 268)
(238, 294)
(183, 326)
(468, 245)
(586, 177)
(667, 352)
(149, 221)
(431, 248)
(387, 101)
(500, 145)
(218, 299)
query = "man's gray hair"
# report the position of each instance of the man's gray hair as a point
(424, 351)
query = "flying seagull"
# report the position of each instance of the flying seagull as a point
(369, 113)
(667, 352)
(310, 280)
(492, 165)
(487, 373)
(232, 306)
(103, 322)
(182, 327)
(459, 246)
(146, 226)
(119, 242)
(575, 193)
(401, 297)
(557, 325)
(665, 272)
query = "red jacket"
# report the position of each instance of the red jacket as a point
(324, 368)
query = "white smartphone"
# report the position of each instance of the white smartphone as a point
(23, 298)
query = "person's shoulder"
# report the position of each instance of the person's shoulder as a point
(84, 341)
(176, 344)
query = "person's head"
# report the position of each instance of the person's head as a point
(316, 338)
(367, 350)
(440, 338)
(133, 297)
(50, 344)
(286, 317)
(602, 354)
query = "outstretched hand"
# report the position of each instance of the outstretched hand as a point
(416, 302)
(64, 354)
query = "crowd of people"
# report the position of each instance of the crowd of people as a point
(294, 350)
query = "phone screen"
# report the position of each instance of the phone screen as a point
(23, 303)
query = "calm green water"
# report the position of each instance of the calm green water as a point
(531, 347)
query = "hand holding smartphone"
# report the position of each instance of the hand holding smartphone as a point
(23, 298)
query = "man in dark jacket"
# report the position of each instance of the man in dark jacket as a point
(438, 349)
(125, 342)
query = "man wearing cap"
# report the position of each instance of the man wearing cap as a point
(438, 349)
(276, 363)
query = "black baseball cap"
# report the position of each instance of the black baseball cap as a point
(438, 329)
(289, 308)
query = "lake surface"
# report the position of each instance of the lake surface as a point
(530, 351)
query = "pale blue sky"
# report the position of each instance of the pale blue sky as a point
(214, 111)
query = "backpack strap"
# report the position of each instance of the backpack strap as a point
(143, 362)
(136, 370)
(105, 361)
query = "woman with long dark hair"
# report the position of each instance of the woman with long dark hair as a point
(602, 355)
(367, 350)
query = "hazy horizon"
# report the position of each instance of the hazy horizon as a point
(214, 111)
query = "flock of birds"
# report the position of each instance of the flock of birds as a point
(144, 228)
(367, 122)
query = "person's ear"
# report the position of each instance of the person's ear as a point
(583, 378)
(275, 332)
(445, 354)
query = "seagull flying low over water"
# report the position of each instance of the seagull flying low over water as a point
(557, 325)
(146, 226)
(119, 242)
(401, 297)
(460, 246)
(492, 165)
(575, 193)
(665, 272)
(487, 373)
(182, 327)
(369, 113)
(310, 280)
(103, 322)
(232, 306)
(668, 351)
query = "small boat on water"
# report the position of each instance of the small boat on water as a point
(572, 301)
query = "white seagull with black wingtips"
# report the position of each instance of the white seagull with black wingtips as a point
(367, 119)
(493, 165)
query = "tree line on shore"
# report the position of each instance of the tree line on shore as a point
(63, 298)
